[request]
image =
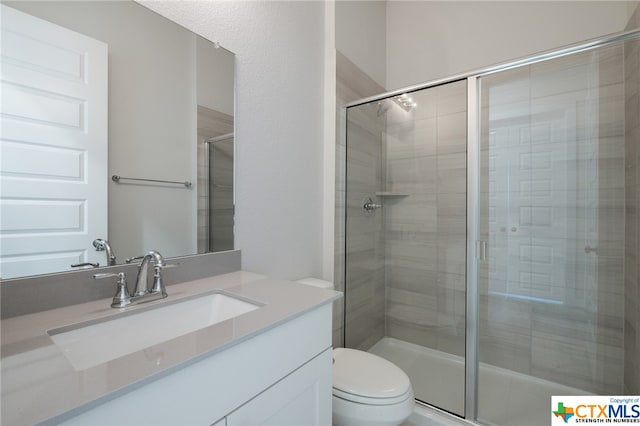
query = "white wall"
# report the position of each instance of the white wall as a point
(279, 125)
(631, 8)
(329, 160)
(360, 28)
(434, 39)
(215, 77)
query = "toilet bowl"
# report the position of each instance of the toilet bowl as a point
(367, 389)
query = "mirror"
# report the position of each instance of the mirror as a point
(116, 125)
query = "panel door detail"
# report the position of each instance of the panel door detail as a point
(53, 146)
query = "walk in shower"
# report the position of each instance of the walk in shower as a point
(491, 232)
(218, 192)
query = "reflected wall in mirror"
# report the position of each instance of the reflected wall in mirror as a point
(93, 89)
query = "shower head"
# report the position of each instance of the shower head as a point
(406, 102)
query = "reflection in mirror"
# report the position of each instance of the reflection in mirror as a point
(96, 89)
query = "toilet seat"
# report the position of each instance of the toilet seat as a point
(371, 401)
(368, 379)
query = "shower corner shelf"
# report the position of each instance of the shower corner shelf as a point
(390, 194)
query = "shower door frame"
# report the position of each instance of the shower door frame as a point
(476, 249)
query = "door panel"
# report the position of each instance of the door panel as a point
(53, 146)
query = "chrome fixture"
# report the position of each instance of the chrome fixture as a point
(103, 245)
(369, 206)
(141, 281)
(79, 265)
(141, 293)
(122, 297)
(406, 102)
(117, 179)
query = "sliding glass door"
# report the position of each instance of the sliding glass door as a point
(552, 214)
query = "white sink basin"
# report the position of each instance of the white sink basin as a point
(89, 344)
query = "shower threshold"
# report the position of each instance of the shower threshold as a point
(505, 397)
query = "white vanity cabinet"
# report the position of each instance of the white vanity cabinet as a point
(279, 376)
(298, 399)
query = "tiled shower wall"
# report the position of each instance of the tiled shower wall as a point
(212, 124)
(632, 212)
(425, 219)
(364, 261)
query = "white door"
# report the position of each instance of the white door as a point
(527, 200)
(537, 226)
(53, 146)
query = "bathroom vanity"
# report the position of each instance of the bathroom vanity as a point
(267, 363)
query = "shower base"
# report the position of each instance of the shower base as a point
(505, 397)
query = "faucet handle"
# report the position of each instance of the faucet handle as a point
(131, 259)
(169, 265)
(80, 265)
(106, 275)
(158, 284)
(122, 297)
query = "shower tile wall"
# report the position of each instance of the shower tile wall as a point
(365, 268)
(552, 203)
(212, 123)
(632, 210)
(221, 209)
(425, 219)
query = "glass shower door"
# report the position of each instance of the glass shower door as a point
(552, 218)
(406, 254)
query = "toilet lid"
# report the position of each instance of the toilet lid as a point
(361, 374)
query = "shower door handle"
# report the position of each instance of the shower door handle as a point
(481, 250)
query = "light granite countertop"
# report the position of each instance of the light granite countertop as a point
(39, 384)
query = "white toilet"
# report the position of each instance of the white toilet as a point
(367, 389)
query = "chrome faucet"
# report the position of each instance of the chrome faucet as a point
(141, 281)
(141, 293)
(103, 245)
